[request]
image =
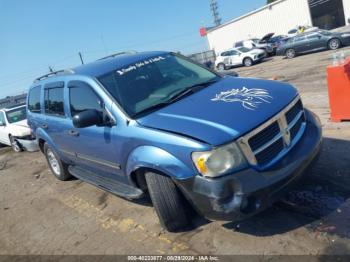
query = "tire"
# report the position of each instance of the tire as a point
(58, 168)
(290, 53)
(168, 202)
(16, 146)
(221, 66)
(248, 62)
(334, 44)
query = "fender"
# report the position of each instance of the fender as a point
(41, 134)
(158, 159)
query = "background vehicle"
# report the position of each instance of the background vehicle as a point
(239, 56)
(314, 41)
(157, 123)
(14, 130)
(255, 44)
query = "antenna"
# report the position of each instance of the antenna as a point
(215, 13)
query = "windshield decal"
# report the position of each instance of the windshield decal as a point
(249, 98)
(139, 65)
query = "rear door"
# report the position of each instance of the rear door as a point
(315, 41)
(235, 58)
(35, 113)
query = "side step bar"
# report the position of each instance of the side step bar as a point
(106, 184)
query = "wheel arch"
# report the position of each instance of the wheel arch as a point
(333, 38)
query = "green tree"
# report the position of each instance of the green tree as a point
(270, 1)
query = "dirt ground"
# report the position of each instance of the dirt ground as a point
(41, 215)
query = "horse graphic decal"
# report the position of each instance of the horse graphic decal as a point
(249, 98)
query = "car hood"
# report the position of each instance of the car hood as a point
(22, 123)
(267, 37)
(223, 111)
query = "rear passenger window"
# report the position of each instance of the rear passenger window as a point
(34, 99)
(54, 104)
(82, 98)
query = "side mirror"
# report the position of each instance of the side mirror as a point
(87, 118)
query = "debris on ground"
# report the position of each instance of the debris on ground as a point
(3, 165)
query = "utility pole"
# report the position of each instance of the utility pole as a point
(81, 58)
(215, 12)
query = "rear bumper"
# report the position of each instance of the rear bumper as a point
(243, 194)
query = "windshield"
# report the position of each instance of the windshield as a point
(244, 49)
(154, 81)
(16, 115)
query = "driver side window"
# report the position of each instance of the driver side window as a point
(82, 98)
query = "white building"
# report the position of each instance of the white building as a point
(279, 17)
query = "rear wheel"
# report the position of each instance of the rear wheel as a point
(334, 44)
(58, 168)
(168, 202)
(290, 53)
(222, 66)
(248, 62)
(16, 146)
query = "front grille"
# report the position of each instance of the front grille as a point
(273, 139)
(265, 135)
(267, 155)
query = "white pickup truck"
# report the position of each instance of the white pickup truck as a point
(14, 130)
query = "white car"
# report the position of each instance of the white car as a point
(239, 56)
(14, 130)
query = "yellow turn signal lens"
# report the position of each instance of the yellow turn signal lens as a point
(201, 165)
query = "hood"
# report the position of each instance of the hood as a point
(267, 37)
(22, 123)
(223, 111)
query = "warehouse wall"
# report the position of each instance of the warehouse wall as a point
(346, 4)
(279, 18)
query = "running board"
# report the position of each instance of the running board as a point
(105, 183)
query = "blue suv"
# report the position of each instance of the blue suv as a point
(157, 123)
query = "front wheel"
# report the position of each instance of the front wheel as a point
(221, 67)
(290, 53)
(16, 146)
(248, 62)
(334, 44)
(58, 168)
(168, 202)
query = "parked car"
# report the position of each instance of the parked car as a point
(156, 123)
(14, 130)
(314, 41)
(239, 56)
(277, 41)
(255, 44)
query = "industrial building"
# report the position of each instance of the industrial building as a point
(279, 17)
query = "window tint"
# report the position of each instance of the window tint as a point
(239, 44)
(34, 100)
(54, 101)
(2, 118)
(83, 98)
(16, 115)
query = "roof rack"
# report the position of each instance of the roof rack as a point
(117, 54)
(59, 72)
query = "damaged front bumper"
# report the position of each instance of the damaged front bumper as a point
(28, 143)
(245, 193)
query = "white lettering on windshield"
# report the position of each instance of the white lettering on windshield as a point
(139, 65)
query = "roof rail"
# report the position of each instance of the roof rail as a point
(59, 72)
(117, 54)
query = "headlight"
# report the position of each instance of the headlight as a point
(219, 161)
(345, 35)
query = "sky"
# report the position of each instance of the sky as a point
(37, 34)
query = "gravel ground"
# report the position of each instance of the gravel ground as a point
(40, 215)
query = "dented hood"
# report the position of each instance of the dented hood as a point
(224, 110)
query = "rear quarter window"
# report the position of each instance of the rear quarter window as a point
(34, 100)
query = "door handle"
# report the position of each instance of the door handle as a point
(73, 133)
(45, 126)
